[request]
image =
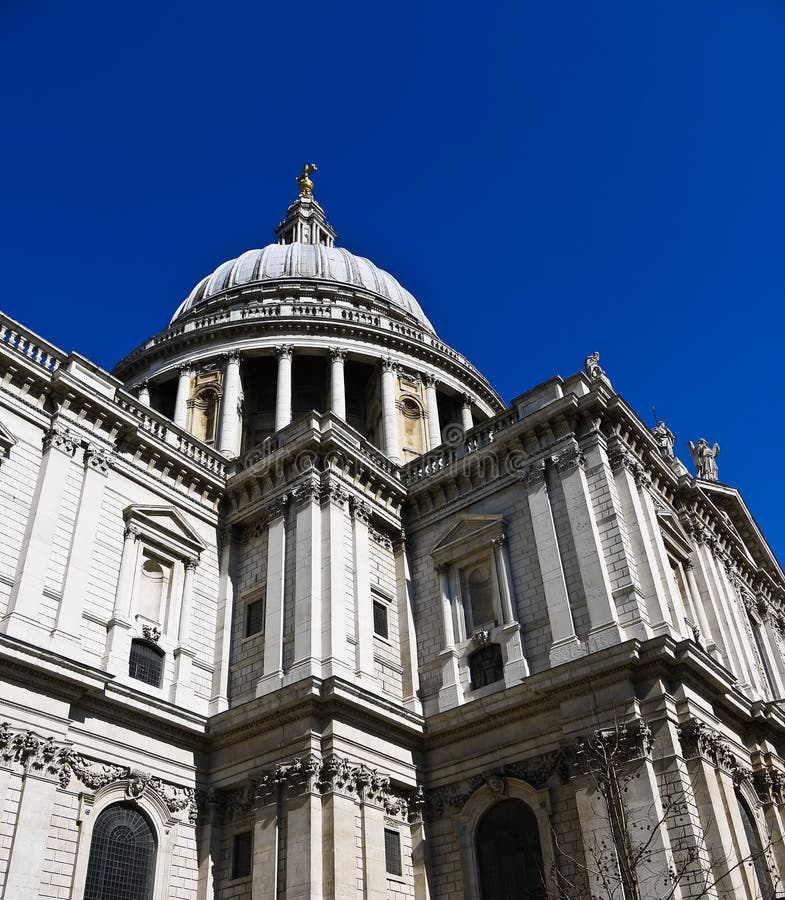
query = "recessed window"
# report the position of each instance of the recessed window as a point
(392, 852)
(146, 663)
(380, 628)
(254, 617)
(486, 665)
(241, 855)
(122, 856)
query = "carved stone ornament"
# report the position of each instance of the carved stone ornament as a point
(337, 354)
(534, 474)
(285, 350)
(307, 492)
(360, 510)
(481, 637)
(626, 742)
(699, 740)
(380, 537)
(151, 633)
(60, 438)
(132, 531)
(334, 492)
(276, 508)
(310, 773)
(41, 755)
(591, 366)
(98, 459)
(770, 785)
(570, 458)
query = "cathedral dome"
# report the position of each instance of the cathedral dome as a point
(293, 262)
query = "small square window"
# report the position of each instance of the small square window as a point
(241, 855)
(380, 619)
(392, 852)
(254, 617)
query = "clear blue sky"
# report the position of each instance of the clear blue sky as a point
(549, 179)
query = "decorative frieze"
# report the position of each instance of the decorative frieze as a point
(43, 756)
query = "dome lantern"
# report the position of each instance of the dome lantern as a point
(305, 221)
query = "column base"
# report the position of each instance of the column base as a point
(273, 681)
(451, 693)
(603, 636)
(516, 667)
(66, 644)
(17, 625)
(118, 647)
(182, 691)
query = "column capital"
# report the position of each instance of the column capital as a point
(337, 354)
(534, 474)
(333, 492)
(429, 380)
(284, 351)
(186, 368)
(307, 492)
(231, 356)
(467, 399)
(134, 532)
(98, 459)
(359, 510)
(191, 563)
(60, 438)
(388, 365)
(499, 541)
(570, 458)
(140, 386)
(276, 508)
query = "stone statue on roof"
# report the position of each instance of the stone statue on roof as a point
(705, 459)
(592, 367)
(306, 185)
(664, 438)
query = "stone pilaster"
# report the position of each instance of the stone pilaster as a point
(273, 610)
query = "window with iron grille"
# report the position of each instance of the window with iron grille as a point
(486, 665)
(122, 856)
(241, 854)
(392, 852)
(254, 617)
(380, 619)
(146, 663)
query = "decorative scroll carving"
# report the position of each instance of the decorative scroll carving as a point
(43, 755)
(699, 740)
(337, 353)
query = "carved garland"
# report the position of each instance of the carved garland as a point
(43, 755)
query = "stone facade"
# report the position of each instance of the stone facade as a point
(321, 652)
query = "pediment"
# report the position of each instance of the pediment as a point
(165, 525)
(468, 533)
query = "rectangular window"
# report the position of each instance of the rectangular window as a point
(392, 852)
(241, 855)
(380, 619)
(254, 617)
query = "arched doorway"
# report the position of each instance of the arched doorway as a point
(509, 853)
(122, 856)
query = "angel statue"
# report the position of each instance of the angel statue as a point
(705, 459)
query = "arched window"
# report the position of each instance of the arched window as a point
(479, 592)
(122, 856)
(153, 586)
(760, 863)
(146, 662)
(509, 853)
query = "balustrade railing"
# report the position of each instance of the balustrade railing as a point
(29, 345)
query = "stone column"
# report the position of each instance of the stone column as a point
(223, 624)
(143, 393)
(305, 843)
(339, 841)
(337, 386)
(67, 634)
(700, 613)
(182, 689)
(566, 645)
(363, 605)
(335, 649)
(434, 426)
(408, 635)
(265, 848)
(421, 857)
(466, 413)
(22, 618)
(31, 833)
(374, 862)
(451, 692)
(389, 413)
(307, 584)
(515, 663)
(283, 391)
(273, 607)
(183, 391)
(229, 430)
(118, 634)
(603, 616)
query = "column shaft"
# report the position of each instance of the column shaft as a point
(307, 584)
(144, 393)
(363, 607)
(181, 399)
(434, 425)
(283, 392)
(337, 386)
(466, 413)
(389, 414)
(229, 428)
(223, 626)
(408, 636)
(273, 609)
